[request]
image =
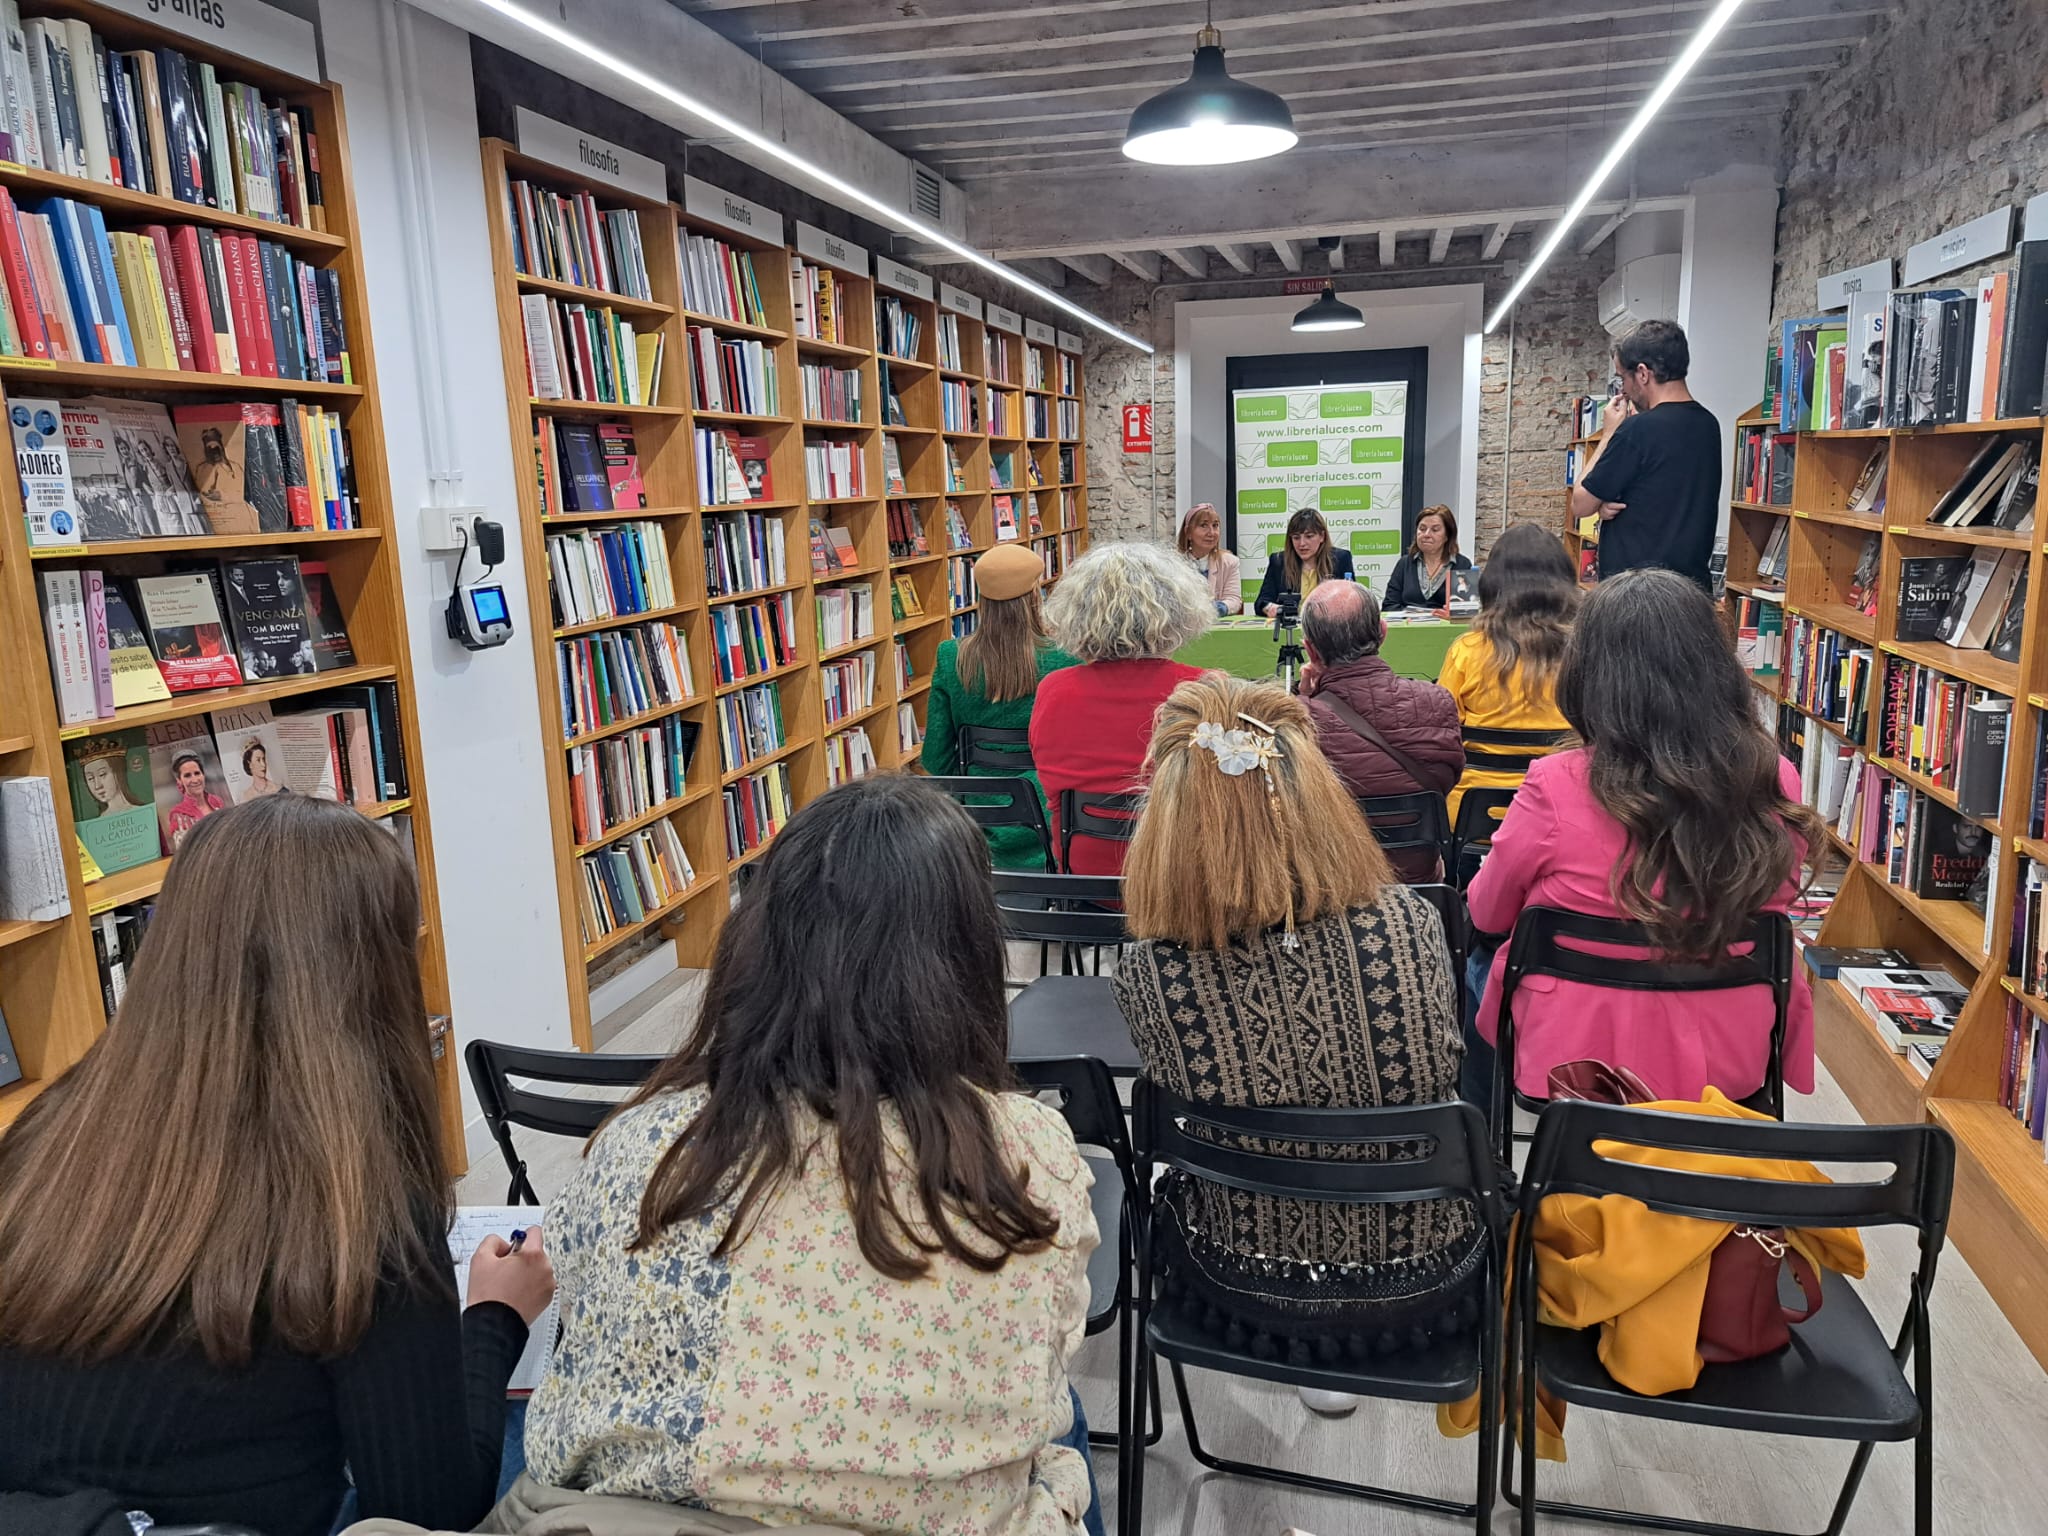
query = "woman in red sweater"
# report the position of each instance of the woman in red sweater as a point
(1123, 609)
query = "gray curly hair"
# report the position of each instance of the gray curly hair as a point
(1128, 602)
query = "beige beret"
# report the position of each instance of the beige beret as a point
(1008, 570)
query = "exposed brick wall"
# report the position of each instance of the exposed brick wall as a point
(1937, 117)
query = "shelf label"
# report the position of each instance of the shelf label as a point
(1069, 342)
(74, 732)
(248, 27)
(959, 301)
(106, 904)
(1835, 289)
(585, 154)
(729, 210)
(829, 250)
(1040, 332)
(31, 362)
(1964, 246)
(893, 274)
(1002, 319)
(58, 551)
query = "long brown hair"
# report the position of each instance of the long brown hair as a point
(1218, 856)
(256, 1135)
(1528, 597)
(1307, 520)
(1002, 653)
(1675, 754)
(863, 970)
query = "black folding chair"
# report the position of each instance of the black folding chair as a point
(993, 748)
(1450, 911)
(1480, 810)
(491, 1070)
(998, 802)
(1067, 1015)
(1839, 1380)
(1107, 818)
(1089, 1105)
(1537, 948)
(1431, 1152)
(1401, 823)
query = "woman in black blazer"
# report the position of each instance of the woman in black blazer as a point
(1307, 554)
(1422, 577)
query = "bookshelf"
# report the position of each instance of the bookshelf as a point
(2000, 1217)
(1577, 540)
(49, 984)
(847, 408)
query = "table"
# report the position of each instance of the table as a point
(1245, 647)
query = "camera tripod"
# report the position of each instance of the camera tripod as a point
(1292, 658)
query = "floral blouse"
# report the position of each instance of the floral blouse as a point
(791, 1381)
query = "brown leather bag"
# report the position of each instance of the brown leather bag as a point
(1741, 1317)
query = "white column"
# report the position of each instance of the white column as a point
(1724, 296)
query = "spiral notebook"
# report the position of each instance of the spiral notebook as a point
(474, 1223)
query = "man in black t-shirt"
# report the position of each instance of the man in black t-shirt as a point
(1655, 478)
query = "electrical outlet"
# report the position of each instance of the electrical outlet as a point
(448, 528)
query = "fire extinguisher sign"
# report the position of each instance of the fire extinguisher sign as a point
(1137, 429)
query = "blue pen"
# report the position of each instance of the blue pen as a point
(518, 1238)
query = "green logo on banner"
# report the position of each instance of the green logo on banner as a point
(1290, 455)
(1337, 404)
(1261, 503)
(1345, 498)
(1375, 541)
(1274, 541)
(1262, 408)
(1376, 450)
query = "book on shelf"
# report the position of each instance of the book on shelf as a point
(1982, 592)
(719, 280)
(2023, 1068)
(845, 615)
(1927, 586)
(617, 674)
(1828, 674)
(957, 534)
(893, 483)
(33, 885)
(1862, 401)
(266, 603)
(578, 352)
(906, 674)
(756, 808)
(898, 328)
(2017, 390)
(1867, 497)
(732, 373)
(958, 409)
(834, 469)
(744, 552)
(831, 393)
(839, 540)
(951, 353)
(631, 879)
(1005, 508)
(819, 300)
(849, 686)
(751, 638)
(1002, 471)
(182, 612)
(568, 238)
(1980, 490)
(1759, 635)
(10, 1059)
(903, 599)
(956, 476)
(1863, 580)
(116, 941)
(848, 756)
(1797, 355)
(1771, 562)
(49, 503)
(128, 471)
(624, 777)
(113, 807)
(909, 734)
(608, 573)
(750, 725)
(732, 468)
(186, 779)
(1921, 718)
(2007, 633)
(1907, 1004)
(1980, 757)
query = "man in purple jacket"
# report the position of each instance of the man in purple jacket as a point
(1418, 721)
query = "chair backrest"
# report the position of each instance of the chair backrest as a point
(1416, 820)
(995, 801)
(1508, 751)
(1450, 911)
(1060, 909)
(1432, 1151)
(1108, 818)
(994, 748)
(505, 1104)
(1088, 1102)
(1915, 1192)
(1537, 949)
(1480, 812)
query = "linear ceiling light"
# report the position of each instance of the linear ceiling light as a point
(895, 218)
(1682, 66)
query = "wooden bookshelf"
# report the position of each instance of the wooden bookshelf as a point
(49, 985)
(2000, 1216)
(665, 438)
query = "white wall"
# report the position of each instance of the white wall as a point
(1724, 297)
(479, 714)
(1446, 320)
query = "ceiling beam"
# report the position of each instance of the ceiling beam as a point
(1138, 263)
(1289, 252)
(1602, 230)
(1194, 263)
(1049, 271)
(1440, 245)
(1386, 247)
(1095, 268)
(1235, 257)
(1496, 240)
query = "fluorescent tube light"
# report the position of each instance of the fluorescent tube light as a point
(1682, 66)
(895, 218)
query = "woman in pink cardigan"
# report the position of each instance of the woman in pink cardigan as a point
(1677, 812)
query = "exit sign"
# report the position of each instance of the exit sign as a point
(1303, 285)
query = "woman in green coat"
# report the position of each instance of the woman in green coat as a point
(991, 678)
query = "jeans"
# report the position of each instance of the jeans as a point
(1076, 1438)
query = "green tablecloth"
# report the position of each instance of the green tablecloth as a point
(1247, 649)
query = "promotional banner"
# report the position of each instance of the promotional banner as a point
(1335, 447)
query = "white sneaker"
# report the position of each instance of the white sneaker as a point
(1331, 1405)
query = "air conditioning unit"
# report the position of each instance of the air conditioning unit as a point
(1643, 289)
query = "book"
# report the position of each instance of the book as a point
(187, 632)
(1980, 758)
(131, 663)
(10, 1059)
(2026, 333)
(67, 633)
(1868, 494)
(33, 884)
(251, 755)
(472, 1224)
(332, 648)
(185, 778)
(621, 460)
(236, 460)
(315, 752)
(1828, 963)
(585, 484)
(128, 471)
(113, 809)
(1978, 486)
(267, 613)
(1949, 855)
(1927, 585)
(2015, 507)
(49, 503)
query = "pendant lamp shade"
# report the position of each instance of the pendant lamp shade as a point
(1328, 313)
(1209, 118)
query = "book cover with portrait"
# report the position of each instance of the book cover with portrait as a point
(112, 806)
(185, 777)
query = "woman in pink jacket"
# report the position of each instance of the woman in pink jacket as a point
(1677, 812)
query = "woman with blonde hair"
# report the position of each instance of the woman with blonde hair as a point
(1123, 609)
(1201, 541)
(1279, 963)
(989, 681)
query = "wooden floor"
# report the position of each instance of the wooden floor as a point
(1991, 1417)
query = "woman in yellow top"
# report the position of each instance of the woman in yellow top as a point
(1503, 671)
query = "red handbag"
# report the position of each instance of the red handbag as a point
(1741, 1317)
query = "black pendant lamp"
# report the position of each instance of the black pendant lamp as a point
(1209, 119)
(1328, 313)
